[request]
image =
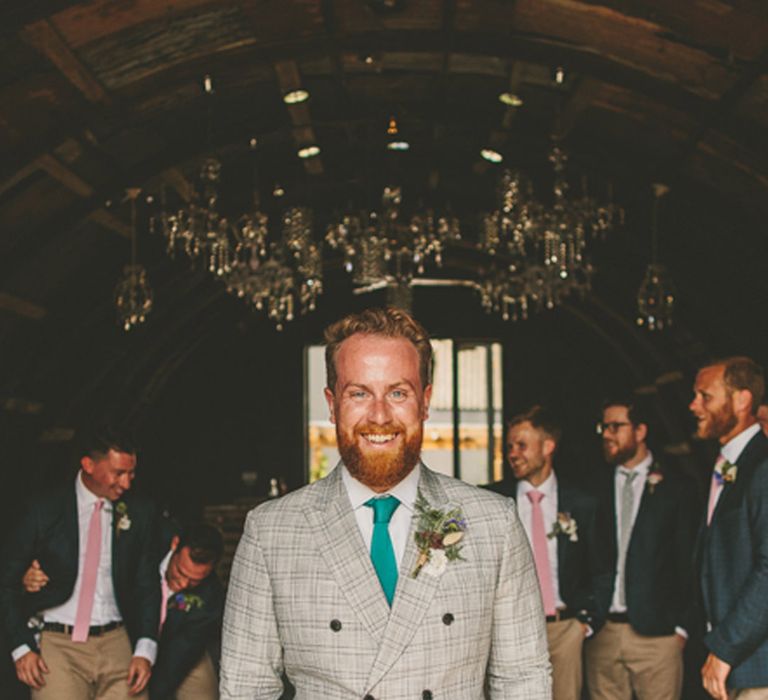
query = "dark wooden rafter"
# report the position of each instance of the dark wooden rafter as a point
(289, 78)
(47, 40)
(21, 307)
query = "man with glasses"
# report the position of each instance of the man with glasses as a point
(649, 532)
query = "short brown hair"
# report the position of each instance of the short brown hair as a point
(389, 322)
(743, 373)
(541, 419)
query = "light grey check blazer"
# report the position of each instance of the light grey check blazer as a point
(304, 598)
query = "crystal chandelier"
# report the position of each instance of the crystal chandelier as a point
(133, 295)
(544, 247)
(656, 296)
(388, 246)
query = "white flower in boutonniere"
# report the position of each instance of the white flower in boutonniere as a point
(438, 534)
(565, 525)
(727, 472)
(655, 477)
(123, 521)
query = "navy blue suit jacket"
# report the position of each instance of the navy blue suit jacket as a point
(49, 532)
(732, 554)
(659, 573)
(581, 569)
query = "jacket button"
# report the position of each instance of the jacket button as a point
(447, 620)
(335, 625)
(369, 697)
(426, 695)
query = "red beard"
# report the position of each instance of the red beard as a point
(382, 470)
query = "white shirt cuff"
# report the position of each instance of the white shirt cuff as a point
(146, 648)
(680, 631)
(20, 651)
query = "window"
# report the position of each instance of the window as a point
(463, 436)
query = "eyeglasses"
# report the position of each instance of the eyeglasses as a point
(610, 427)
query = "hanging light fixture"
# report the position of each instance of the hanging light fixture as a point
(656, 296)
(544, 246)
(133, 295)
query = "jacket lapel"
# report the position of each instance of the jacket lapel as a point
(341, 546)
(413, 596)
(564, 505)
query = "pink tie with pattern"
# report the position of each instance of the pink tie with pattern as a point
(90, 571)
(540, 552)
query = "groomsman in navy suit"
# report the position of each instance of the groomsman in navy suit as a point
(648, 530)
(100, 607)
(559, 519)
(732, 550)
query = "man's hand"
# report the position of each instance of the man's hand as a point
(30, 669)
(138, 674)
(34, 578)
(713, 675)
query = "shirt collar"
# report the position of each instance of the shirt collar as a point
(640, 469)
(86, 498)
(359, 493)
(164, 564)
(548, 487)
(735, 446)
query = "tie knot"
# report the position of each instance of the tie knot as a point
(534, 496)
(383, 508)
(98, 505)
(629, 475)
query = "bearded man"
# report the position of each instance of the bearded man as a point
(648, 536)
(384, 580)
(732, 549)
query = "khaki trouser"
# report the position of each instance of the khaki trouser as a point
(749, 694)
(565, 640)
(620, 662)
(201, 682)
(95, 669)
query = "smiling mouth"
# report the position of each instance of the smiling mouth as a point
(380, 438)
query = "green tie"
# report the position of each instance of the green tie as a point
(382, 553)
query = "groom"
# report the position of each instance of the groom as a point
(357, 588)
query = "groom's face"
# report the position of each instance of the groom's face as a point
(378, 406)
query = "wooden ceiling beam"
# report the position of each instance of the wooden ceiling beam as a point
(111, 222)
(44, 37)
(21, 307)
(288, 79)
(582, 95)
(57, 170)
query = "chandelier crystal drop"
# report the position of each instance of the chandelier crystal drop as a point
(133, 294)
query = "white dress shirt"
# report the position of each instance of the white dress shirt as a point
(548, 488)
(400, 524)
(733, 448)
(638, 485)
(105, 608)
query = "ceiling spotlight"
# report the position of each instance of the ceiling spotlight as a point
(559, 75)
(392, 127)
(295, 97)
(150, 199)
(309, 151)
(491, 156)
(510, 99)
(278, 191)
(369, 59)
(398, 146)
(208, 84)
(253, 142)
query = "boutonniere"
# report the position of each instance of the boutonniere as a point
(123, 522)
(438, 534)
(565, 525)
(655, 477)
(727, 472)
(185, 602)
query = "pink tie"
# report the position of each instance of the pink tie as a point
(164, 602)
(540, 552)
(714, 488)
(90, 570)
